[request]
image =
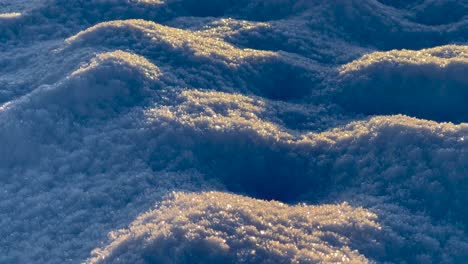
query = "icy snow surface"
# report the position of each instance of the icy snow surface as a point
(219, 131)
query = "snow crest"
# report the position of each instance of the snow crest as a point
(251, 131)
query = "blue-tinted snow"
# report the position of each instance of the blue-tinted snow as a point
(153, 131)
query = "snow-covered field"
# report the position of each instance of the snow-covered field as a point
(221, 131)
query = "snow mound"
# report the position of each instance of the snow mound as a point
(209, 61)
(126, 60)
(109, 82)
(409, 171)
(217, 227)
(130, 33)
(388, 82)
(108, 106)
(281, 35)
(262, 158)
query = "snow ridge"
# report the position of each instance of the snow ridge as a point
(251, 131)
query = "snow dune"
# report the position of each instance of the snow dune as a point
(223, 228)
(183, 131)
(388, 82)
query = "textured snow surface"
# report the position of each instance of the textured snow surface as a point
(218, 131)
(224, 228)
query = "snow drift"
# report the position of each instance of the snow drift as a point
(222, 228)
(181, 131)
(388, 82)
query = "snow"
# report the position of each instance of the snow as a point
(252, 131)
(218, 228)
(388, 82)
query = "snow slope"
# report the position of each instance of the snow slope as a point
(218, 131)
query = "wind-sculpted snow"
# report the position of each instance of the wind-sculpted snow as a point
(224, 228)
(262, 158)
(388, 83)
(382, 26)
(251, 131)
(208, 62)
